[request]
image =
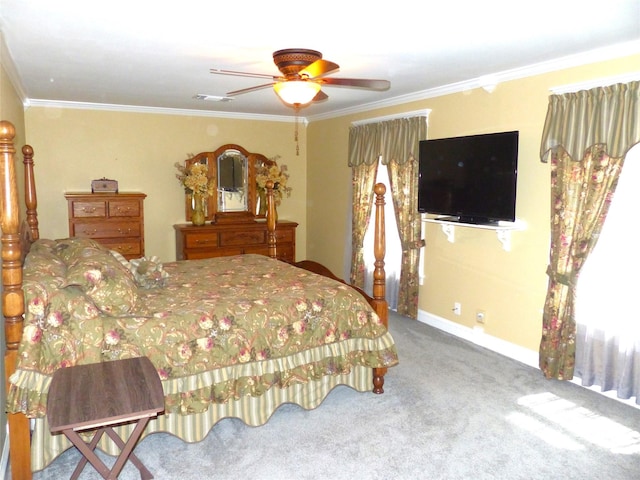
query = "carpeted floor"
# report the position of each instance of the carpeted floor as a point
(451, 410)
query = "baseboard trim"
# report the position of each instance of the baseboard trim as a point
(479, 337)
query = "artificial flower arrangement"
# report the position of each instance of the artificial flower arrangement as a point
(278, 175)
(195, 180)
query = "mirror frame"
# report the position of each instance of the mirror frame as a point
(211, 159)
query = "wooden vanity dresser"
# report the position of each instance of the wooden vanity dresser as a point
(234, 225)
(116, 220)
(221, 240)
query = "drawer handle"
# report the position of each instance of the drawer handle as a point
(123, 232)
(90, 233)
(124, 248)
(203, 241)
(127, 209)
(89, 209)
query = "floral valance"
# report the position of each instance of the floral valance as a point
(607, 116)
(396, 140)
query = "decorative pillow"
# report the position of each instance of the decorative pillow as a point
(102, 278)
(148, 272)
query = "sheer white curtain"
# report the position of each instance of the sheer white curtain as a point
(393, 254)
(607, 313)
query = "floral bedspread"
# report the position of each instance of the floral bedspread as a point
(215, 329)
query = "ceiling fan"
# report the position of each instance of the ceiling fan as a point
(303, 74)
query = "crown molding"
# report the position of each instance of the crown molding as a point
(164, 111)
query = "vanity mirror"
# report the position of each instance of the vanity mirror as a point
(232, 181)
(233, 171)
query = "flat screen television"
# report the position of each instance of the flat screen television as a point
(470, 179)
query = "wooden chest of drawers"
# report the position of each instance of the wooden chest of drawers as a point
(116, 220)
(224, 239)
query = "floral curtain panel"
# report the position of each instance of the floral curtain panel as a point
(401, 153)
(581, 195)
(364, 176)
(397, 142)
(364, 152)
(587, 135)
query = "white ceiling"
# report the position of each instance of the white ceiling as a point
(138, 53)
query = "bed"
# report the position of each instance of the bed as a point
(229, 337)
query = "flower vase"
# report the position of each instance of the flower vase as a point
(197, 216)
(262, 198)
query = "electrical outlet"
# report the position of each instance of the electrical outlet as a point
(481, 317)
(457, 308)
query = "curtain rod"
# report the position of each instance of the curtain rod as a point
(415, 113)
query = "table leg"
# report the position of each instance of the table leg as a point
(94, 442)
(88, 453)
(127, 450)
(126, 453)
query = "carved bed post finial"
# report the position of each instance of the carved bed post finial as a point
(379, 276)
(271, 220)
(10, 211)
(12, 295)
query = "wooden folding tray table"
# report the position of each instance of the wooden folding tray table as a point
(99, 396)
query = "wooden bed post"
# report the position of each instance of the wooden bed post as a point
(271, 220)
(379, 276)
(12, 297)
(31, 200)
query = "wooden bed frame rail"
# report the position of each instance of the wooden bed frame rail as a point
(17, 237)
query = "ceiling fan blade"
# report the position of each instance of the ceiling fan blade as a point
(218, 71)
(320, 96)
(250, 89)
(318, 68)
(357, 82)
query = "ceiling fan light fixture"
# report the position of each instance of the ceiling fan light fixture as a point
(296, 92)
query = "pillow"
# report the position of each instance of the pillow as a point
(101, 277)
(72, 249)
(148, 272)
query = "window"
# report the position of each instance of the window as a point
(608, 319)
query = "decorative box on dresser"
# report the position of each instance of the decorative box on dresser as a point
(224, 239)
(116, 220)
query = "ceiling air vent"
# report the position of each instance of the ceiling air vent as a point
(212, 98)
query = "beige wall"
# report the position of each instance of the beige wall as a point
(475, 270)
(73, 147)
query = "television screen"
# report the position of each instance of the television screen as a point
(471, 179)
